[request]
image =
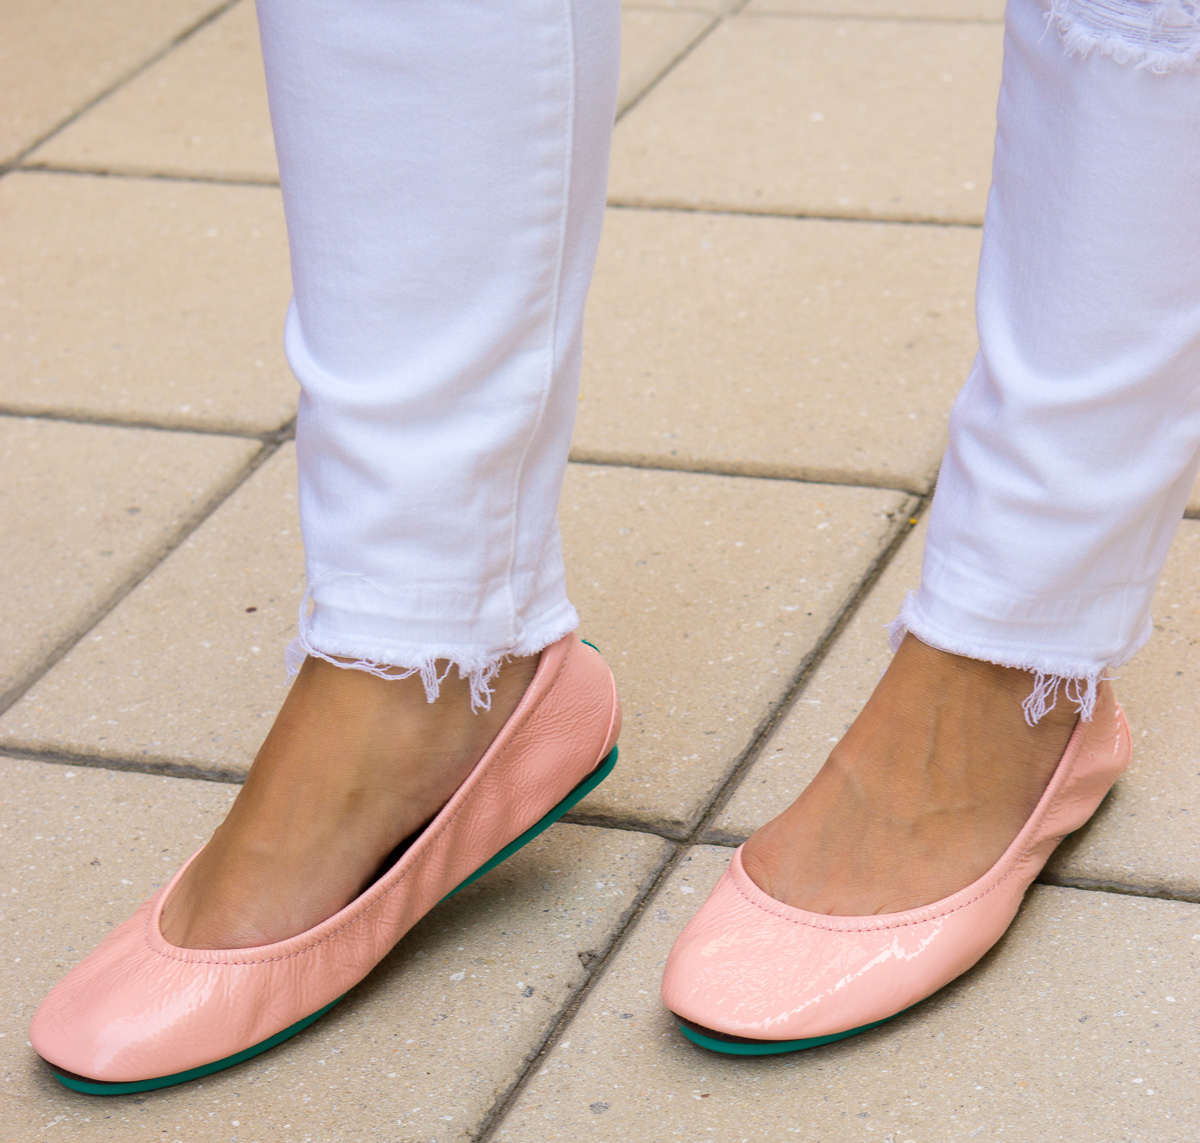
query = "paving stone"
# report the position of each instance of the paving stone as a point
(883, 9)
(187, 672)
(825, 708)
(1080, 1026)
(85, 508)
(849, 118)
(651, 38)
(777, 347)
(421, 1050)
(56, 55)
(201, 110)
(144, 300)
(705, 592)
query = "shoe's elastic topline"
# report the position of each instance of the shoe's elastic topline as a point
(139, 1013)
(750, 975)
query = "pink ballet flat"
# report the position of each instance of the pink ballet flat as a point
(750, 975)
(140, 1013)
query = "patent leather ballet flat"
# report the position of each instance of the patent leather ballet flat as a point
(140, 1013)
(750, 975)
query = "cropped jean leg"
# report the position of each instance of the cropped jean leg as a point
(443, 165)
(1075, 441)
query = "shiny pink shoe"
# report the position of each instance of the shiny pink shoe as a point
(139, 1013)
(750, 975)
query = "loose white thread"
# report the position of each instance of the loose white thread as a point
(1078, 689)
(1158, 35)
(479, 676)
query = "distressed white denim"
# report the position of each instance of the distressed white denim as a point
(1074, 443)
(443, 166)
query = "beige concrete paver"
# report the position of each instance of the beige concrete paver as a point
(1144, 836)
(201, 110)
(56, 55)
(1080, 1026)
(992, 10)
(420, 1051)
(781, 347)
(825, 708)
(651, 39)
(84, 509)
(705, 592)
(144, 300)
(850, 118)
(187, 671)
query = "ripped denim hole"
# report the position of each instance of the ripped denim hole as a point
(1158, 35)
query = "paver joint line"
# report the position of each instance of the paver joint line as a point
(285, 432)
(749, 470)
(1118, 888)
(17, 160)
(593, 972)
(119, 765)
(809, 665)
(151, 176)
(807, 669)
(815, 216)
(186, 528)
(716, 21)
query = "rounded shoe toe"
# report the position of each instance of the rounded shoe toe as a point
(126, 1013)
(749, 966)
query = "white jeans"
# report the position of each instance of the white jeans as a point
(443, 166)
(1074, 443)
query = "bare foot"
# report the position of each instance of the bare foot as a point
(353, 765)
(928, 788)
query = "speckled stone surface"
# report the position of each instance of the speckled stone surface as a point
(827, 705)
(1081, 1025)
(201, 110)
(187, 672)
(56, 55)
(820, 350)
(707, 593)
(651, 40)
(853, 118)
(420, 1051)
(92, 507)
(144, 300)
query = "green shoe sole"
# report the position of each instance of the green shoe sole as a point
(738, 1047)
(98, 1087)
